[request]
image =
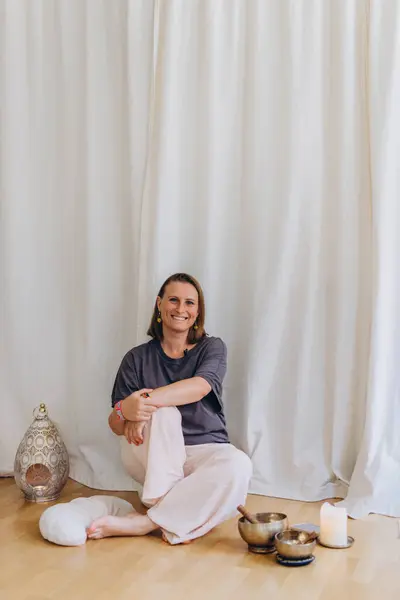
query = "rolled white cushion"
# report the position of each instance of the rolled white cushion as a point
(65, 524)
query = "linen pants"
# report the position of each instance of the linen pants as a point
(189, 489)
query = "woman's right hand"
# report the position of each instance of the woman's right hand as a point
(133, 432)
(135, 407)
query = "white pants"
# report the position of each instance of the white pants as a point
(189, 489)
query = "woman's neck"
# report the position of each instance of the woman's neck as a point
(174, 344)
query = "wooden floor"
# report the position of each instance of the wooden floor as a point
(217, 566)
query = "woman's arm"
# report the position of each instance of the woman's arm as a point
(187, 391)
(179, 393)
(116, 425)
(143, 413)
(174, 394)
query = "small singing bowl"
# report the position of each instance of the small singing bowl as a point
(261, 536)
(291, 544)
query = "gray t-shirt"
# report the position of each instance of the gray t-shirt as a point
(147, 366)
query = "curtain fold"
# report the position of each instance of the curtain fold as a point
(253, 144)
(376, 476)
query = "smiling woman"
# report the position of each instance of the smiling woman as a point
(182, 304)
(167, 408)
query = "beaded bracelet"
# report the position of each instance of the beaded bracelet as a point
(118, 410)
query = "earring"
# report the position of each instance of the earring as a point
(195, 326)
(159, 318)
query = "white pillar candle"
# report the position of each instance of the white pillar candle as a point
(333, 525)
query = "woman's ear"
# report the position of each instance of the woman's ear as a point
(158, 302)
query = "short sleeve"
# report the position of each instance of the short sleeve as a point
(126, 381)
(212, 366)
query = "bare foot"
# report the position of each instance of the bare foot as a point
(133, 524)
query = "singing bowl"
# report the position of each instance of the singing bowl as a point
(263, 533)
(290, 544)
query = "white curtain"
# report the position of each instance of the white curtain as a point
(252, 143)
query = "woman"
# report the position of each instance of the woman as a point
(167, 408)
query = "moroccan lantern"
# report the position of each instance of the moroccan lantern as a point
(41, 465)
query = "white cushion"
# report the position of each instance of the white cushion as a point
(65, 524)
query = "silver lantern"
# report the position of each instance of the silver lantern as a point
(41, 465)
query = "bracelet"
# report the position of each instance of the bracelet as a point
(118, 410)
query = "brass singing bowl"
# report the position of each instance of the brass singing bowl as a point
(292, 544)
(263, 533)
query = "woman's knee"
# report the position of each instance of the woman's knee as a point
(237, 464)
(165, 421)
(167, 415)
(243, 464)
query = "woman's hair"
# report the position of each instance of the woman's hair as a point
(194, 335)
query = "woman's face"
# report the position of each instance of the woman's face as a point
(179, 307)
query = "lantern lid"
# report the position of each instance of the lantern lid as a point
(40, 412)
